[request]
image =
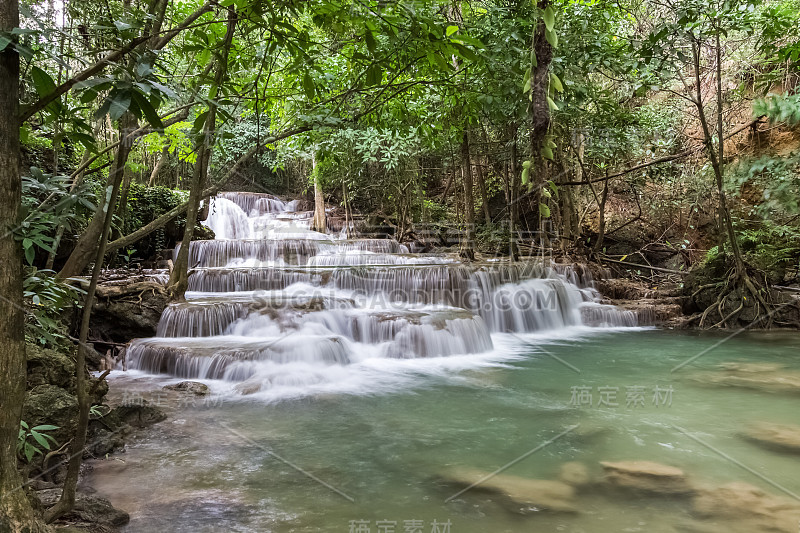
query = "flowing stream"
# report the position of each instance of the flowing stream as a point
(350, 378)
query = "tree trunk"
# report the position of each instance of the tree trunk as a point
(319, 222)
(717, 156)
(482, 188)
(179, 277)
(468, 242)
(539, 109)
(51, 255)
(157, 168)
(87, 243)
(601, 225)
(16, 513)
(513, 215)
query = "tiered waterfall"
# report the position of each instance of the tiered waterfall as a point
(272, 303)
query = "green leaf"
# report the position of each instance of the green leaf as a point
(122, 26)
(199, 122)
(42, 81)
(374, 74)
(45, 427)
(308, 85)
(552, 38)
(552, 104)
(553, 187)
(143, 69)
(546, 152)
(451, 30)
(526, 164)
(30, 451)
(369, 39)
(40, 439)
(120, 102)
(549, 17)
(148, 111)
(544, 210)
(556, 83)
(526, 172)
(30, 255)
(527, 87)
(5, 40)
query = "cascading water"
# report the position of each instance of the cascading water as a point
(273, 304)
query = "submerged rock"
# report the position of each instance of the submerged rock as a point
(193, 387)
(520, 494)
(138, 415)
(785, 438)
(742, 508)
(646, 477)
(574, 473)
(767, 377)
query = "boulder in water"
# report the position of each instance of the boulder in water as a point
(767, 377)
(646, 477)
(521, 494)
(193, 387)
(743, 508)
(785, 438)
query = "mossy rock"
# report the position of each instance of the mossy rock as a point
(49, 367)
(50, 404)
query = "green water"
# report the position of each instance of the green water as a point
(213, 467)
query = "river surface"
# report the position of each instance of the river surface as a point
(333, 409)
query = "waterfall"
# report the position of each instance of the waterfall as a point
(272, 303)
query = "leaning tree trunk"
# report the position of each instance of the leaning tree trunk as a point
(16, 513)
(319, 223)
(86, 246)
(179, 278)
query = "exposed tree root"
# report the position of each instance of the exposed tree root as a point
(738, 286)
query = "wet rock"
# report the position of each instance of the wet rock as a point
(40, 484)
(623, 289)
(139, 415)
(574, 473)
(652, 312)
(784, 438)
(742, 508)
(646, 477)
(49, 404)
(88, 509)
(251, 386)
(49, 367)
(103, 441)
(767, 377)
(193, 387)
(519, 494)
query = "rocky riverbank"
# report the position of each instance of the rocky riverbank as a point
(51, 401)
